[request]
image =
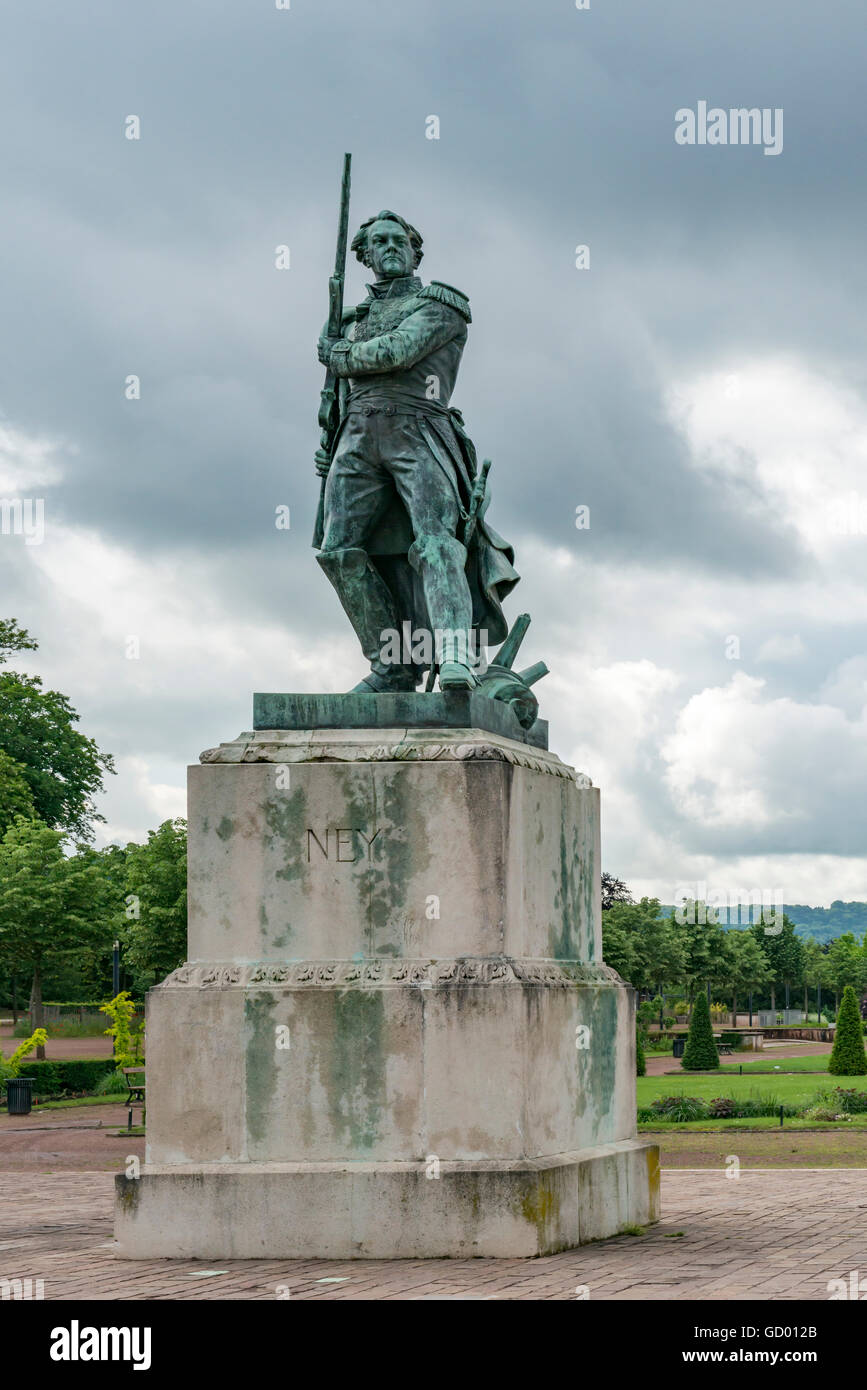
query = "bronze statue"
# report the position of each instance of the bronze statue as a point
(402, 532)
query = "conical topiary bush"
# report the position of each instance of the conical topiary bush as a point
(700, 1053)
(848, 1057)
(640, 1063)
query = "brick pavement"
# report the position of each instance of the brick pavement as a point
(770, 1234)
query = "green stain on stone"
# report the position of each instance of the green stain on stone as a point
(599, 1074)
(540, 1206)
(285, 821)
(563, 936)
(399, 854)
(357, 1092)
(226, 828)
(261, 1063)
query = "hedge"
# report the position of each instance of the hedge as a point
(59, 1078)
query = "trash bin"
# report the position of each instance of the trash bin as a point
(19, 1095)
(678, 1046)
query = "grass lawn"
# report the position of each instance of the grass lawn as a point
(758, 1122)
(818, 1063)
(842, 1147)
(72, 1102)
(789, 1090)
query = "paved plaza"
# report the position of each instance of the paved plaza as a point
(769, 1234)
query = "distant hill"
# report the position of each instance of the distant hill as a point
(822, 923)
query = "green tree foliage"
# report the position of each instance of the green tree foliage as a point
(16, 798)
(154, 917)
(641, 945)
(63, 768)
(614, 890)
(703, 943)
(14, 639)
(640, 1062)
(700, 1053)
(50, 905)
(848, 1057)
(747, 964)
(127, 1046)
(846, 964)
(783, 948)
(825, 923)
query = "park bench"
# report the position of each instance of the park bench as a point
(725, 1049)
(136, 1088)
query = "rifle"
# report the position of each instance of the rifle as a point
(329, 405)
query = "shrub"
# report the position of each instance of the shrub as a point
(853, 1102)
(722, 1108)
(12, 1067)
(112, 1084)
(848, 1057)
(127, 1045)
(640, 1063)
(680, 1108)
(700, 1053)
(823, 1111)
(64, 1078)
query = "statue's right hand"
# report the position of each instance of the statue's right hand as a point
(322, 467)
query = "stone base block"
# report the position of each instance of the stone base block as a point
(387, 1210)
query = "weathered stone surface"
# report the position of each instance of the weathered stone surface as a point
(386, 1210)
(394, 972)
(424, 857)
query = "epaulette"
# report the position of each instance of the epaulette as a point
(447, 294)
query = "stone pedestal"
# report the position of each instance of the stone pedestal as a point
(395, 1036)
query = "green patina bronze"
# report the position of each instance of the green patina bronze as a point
(402, 530)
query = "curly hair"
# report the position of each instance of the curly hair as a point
(360, 240)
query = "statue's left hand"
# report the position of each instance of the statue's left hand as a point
(324, 347)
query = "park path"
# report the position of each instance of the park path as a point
(59, 1049)
(772, 1053)
(767, 1235)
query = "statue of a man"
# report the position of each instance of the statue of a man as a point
(399, 503)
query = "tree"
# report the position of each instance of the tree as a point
(848, 1057)
(747, 966)
(703, 941)
(845, 965)
(700, 1053)
(63, 768)
(154, 919)
(784, 951)
(14, 639)
(50, 905)
(815, 973)
(640, 1062)
(659, 952)
(614, 890)
(16, 798)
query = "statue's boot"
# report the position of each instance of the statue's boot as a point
(369, 606)
(441, 563)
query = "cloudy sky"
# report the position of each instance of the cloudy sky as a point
(700, 387)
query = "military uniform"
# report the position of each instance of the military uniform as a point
(399, 484)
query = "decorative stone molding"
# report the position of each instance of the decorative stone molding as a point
(435, 745)
(388, 972)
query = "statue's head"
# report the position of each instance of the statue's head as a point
(388, 246)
